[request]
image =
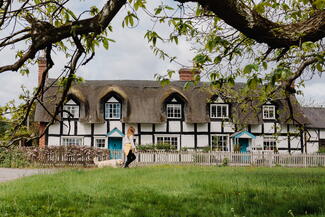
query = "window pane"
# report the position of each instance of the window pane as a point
(112, 110)
(167, 140)
(70, 111)
(213, 111)
(174, 110)
(220, 143)
(72, 141)
(219, 111)
(100, 143)
(269, 112)
(269, 143)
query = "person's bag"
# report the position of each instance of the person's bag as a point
(127, 148)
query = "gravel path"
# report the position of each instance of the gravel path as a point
(7, 174)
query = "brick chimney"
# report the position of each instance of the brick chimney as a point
(186, 74)
(41, 68)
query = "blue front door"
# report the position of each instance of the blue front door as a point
(115, 147)
(243, 145)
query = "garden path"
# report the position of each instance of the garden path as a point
(7, 174)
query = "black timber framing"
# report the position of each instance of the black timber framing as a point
(92, 130)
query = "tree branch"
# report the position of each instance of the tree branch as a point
(238, 15)
(42, 32)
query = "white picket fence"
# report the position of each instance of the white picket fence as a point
(268, 159)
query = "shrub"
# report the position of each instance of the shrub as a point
(146, 147)
(206, 149)
(321, 149)
(13, 158)
(153, 147)
(165, 146)
(65, 154)
(225, 162)
(53, 155)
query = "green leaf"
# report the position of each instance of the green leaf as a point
(105, 43)
(248, 68)
(164, 82)
(158, 10)
(217, 60)
(201, 59)
(319, 67)
(170, 73)
(264, 65)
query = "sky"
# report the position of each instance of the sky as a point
(130, 58)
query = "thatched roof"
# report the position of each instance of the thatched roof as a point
(315, 116)
(143, 102)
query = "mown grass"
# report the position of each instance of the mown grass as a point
(168, 191)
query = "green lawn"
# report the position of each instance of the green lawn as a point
(168, 191)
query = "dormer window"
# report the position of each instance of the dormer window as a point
(268, 112)
(71, 109)
(112, 109)
(219, 111)
(174, 111)
(174, 106)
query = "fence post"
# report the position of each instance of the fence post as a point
(179, 157)
(305, 160)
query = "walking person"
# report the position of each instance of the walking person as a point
(129, 147)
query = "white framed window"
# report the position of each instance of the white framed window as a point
(172, 140)
(174, 111)
(219, 110)
(70, 111)
(269, 143)
(268, 112)
(220, 142)
(72, 141)
(112, 110)
(100, 142)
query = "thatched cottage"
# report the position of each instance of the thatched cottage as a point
(98, 113)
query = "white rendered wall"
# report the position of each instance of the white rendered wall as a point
(115, 124)
(100, 128)
(258, 142)
(83, 128)
(282, 142)
(146, 127)
(202, 140)
(295, 142)
(53, 141)
(188, 127)
(256, 128)
(202, 127)
(281, 128)
(174, 126)
(54, 128)
(312, 147)
(228, 127)
(87, 141)
(313, 134)
(68, 125)
(215, 126)
(161, 127)
(322, 134)
(269, 127)
(187, 141)
(293, 129)
(146, 139)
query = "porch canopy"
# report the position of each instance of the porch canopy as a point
(238, 138)
(242, 135)
(115, 133)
